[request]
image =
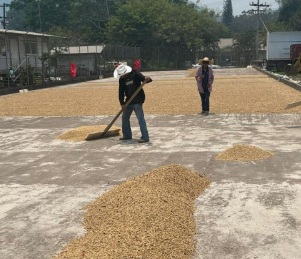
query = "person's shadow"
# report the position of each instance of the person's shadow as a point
(202, 114)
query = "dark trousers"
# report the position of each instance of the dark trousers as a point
(205, 101)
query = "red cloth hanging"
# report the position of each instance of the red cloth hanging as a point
(137, 64)
(73, 70)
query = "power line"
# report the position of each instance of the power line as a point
(258, 10)
(264, 25)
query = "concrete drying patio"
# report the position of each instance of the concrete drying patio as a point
(251, 210)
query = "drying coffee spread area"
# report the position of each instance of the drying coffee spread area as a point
(226, 185)
(149, 216)
(81, 133)
(244, 153)
(246, 93)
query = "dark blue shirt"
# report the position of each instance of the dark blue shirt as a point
(205, 80)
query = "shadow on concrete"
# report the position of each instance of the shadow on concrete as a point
(294, 127)
(134, 142)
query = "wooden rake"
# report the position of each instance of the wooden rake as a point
(292, 105)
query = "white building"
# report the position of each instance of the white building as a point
(16, 46)
(86, 59)
(90, 58)
(226, 52)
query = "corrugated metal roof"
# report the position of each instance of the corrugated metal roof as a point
(26, 33)
(84, 49)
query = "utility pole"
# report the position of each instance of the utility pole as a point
(259, 6)
(40, 19)
(108, 10)
(4, 23)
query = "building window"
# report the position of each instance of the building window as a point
(31, 48)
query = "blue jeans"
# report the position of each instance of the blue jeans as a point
(205, 101)
(126, 124)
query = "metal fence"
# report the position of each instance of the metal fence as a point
(155, 56)
(165, 57)
(93, 61)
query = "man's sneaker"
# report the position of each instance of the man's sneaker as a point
(206, 113)
(123, 138)
(201, 113)
(143, 140)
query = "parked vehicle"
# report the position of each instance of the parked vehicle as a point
(283, 48)
(215, 66)
(295, 52)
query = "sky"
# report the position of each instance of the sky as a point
(238, 5)
(5, 1)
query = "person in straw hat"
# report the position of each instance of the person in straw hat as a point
(204, 77)
(129, 81)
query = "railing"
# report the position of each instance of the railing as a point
(26, 59)
(17, 77)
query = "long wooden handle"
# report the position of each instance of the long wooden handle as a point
(121, 111)
(292, 105)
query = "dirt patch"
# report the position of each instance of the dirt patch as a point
(149, 216)
(244, 153)
(80, 134)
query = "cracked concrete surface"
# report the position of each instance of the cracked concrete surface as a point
(37, 219)
(251, 210)
(241, 220)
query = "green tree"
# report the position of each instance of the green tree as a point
(227, 16)
(131, 21)
(17, 20)
(248, 21)
(86, 18)
(274, 26)
(93, 16)
(179, 2)
(53, 13)
(164, 22)
(245, 47)
(290, 14)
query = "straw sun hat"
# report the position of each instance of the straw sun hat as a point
(206, 59)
